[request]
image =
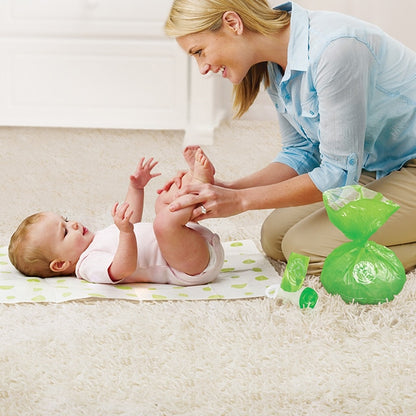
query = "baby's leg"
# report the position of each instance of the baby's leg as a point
(183, 248)
(202, 171)
(190, 155)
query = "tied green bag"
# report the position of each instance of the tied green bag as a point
(361, 270)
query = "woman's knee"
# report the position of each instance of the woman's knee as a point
(271, 237)
(277, 225)
(315, 237)
(295, 242)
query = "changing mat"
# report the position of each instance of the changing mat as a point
(246, 274)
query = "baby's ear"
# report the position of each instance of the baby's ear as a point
(59, 266)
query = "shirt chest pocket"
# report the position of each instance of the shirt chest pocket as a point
(309, 107)
(308, 117)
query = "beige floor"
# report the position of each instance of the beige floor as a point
(202, 358)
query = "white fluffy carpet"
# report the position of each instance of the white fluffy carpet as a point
(239, 357)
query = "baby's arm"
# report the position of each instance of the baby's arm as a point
(135, 192)
(125, 259)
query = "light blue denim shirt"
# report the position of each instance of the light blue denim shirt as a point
(346, 101)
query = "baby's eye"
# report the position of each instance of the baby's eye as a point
(65, 220)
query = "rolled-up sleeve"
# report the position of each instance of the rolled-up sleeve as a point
(342, 75)
(299, 153)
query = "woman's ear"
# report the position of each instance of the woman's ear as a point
(59, 266)
(232, 20)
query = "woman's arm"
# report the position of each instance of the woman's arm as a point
(298, 190)
(273, 173)
(260, 193)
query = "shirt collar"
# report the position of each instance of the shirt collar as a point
(298, 49)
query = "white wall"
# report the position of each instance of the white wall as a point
(396, 18)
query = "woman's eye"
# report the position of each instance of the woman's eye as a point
(198, 52)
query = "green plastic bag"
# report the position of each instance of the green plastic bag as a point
(361, 270)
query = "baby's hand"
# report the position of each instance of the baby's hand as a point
(177, 180)
(143, 173)
(121, 215)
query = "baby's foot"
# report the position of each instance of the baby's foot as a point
(189, 155)
(203, 169)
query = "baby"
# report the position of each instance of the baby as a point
(171, 250)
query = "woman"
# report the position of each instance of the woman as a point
(345, 94)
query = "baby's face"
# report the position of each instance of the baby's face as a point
(63, 239)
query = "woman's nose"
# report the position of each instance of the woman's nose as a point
(204, 69)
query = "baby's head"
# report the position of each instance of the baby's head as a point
(47, 245)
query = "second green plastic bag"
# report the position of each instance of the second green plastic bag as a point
(361, 270)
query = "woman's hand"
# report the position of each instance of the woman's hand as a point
(217, 201)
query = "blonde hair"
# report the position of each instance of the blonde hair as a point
(192, 16)
(28, 258)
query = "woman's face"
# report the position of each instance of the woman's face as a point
(224, 51)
